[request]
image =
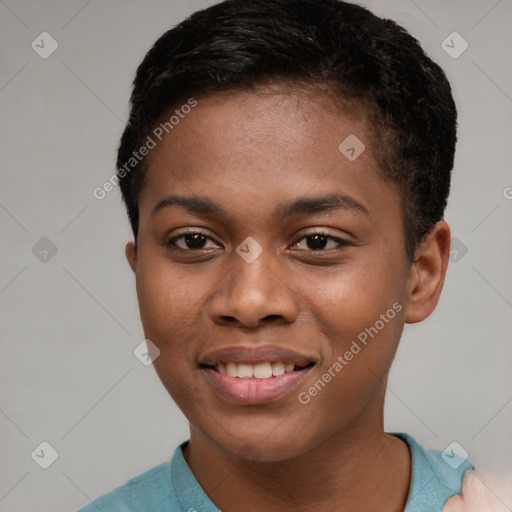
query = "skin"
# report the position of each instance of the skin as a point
(250, 152)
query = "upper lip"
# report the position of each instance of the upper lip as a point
(255, 355)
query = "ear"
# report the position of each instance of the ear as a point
(427, 274)
(131, 254)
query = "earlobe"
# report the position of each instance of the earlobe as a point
(131, 254)
(427, 274)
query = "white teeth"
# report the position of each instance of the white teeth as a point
(278, 369)
(258, 371)
(263, 370)
(231, 369)
(245, 371)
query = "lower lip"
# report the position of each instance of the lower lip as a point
(254, 391)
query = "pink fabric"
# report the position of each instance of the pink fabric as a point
(482, 493)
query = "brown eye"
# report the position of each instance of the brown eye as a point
(321, 242)
(192, 241)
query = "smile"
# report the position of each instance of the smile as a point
(255, 374)
(266, 370)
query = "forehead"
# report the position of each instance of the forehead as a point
(253, 150)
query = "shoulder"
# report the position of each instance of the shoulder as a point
(435, 475)
(166, 487)
(149, 491)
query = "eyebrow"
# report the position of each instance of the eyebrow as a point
(300, 206)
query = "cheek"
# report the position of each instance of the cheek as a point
(170, 320)
(353, 298)
(167, 299)
(360, 315)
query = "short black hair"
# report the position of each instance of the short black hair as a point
(339, 46)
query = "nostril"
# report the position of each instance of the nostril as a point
(228, 319)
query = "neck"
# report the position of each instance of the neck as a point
(357, 468)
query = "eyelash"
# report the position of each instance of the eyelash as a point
(342, 244)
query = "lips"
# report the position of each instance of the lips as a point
(254, 375)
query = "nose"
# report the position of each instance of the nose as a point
(253, 294)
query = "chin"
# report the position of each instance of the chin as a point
(252, 446)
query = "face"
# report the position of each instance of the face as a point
(264, 257)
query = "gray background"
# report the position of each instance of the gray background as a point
(69, 324)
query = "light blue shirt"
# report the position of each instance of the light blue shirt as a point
(172, 487)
